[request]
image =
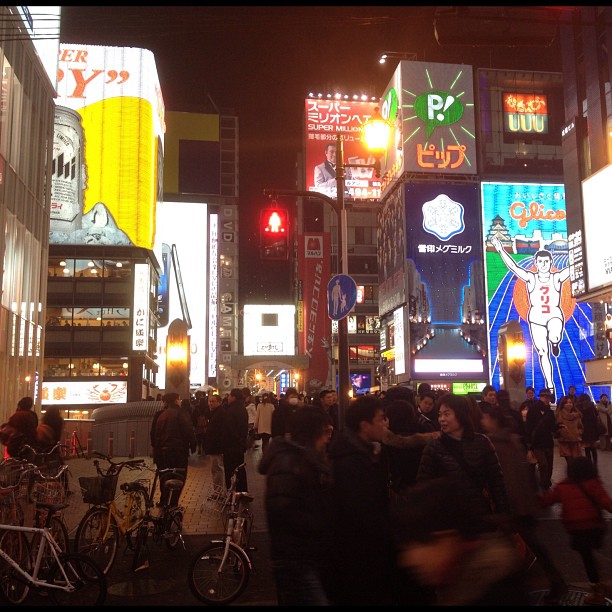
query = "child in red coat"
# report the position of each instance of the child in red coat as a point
(582, 497)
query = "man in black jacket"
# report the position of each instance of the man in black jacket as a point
(173, 436)
(540, 427)
(236, 429)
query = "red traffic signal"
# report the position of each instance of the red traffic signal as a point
(274, 234)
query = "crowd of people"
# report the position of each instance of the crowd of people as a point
(420, 499)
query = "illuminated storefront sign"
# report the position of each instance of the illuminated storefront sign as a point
(525, 113)
(107, 391)
(140, 326)
(117, 94)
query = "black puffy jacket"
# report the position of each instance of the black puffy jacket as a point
(297, 501)
(483, 469)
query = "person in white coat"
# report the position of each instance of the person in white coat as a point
(263, 420)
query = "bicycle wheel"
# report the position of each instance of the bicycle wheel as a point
(60, 535)
(94, 540)
(174, 528)
(13, 587)
(85, 575)
(214, 586)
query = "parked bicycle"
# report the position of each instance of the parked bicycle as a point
(99, 530)
(163, 521)
(32, 558)
(220, 572)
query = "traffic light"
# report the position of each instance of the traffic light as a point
(274, 234)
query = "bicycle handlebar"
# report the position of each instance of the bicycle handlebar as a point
(116, 466)
(38, 453)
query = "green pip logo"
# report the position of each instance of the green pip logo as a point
(437, 108)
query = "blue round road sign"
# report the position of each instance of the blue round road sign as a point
(341, 296)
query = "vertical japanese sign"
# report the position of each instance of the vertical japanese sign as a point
(140, 326)
(314, 339)
(324, 120)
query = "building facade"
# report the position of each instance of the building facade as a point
(26, 145)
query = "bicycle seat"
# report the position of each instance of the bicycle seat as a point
(174, 484)
(244, 496)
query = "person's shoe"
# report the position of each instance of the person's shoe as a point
(597, 596)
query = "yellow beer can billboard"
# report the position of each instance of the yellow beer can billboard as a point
(117, 94)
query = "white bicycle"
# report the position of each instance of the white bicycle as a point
(30, 558)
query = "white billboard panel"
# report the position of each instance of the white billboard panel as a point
(269, 330)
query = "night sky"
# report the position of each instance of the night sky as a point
(259, 64)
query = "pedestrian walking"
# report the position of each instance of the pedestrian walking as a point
(362, 547)
(540, 427)
(174, 437)
(263, 420)
(236, 428)
(299, 508)
(214, 439)
(604, 410)
(591, 426)
(582, 497)
(569, 429)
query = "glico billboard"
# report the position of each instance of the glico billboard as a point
(108, 147)
(431, 108)
(324, 120)
(527, 277)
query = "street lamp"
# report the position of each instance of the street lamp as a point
(376, 132)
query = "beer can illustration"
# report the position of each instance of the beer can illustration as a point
(68, 173)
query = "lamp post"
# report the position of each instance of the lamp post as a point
(376, 132)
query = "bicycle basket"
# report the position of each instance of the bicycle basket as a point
(51, 492)
(98, 489)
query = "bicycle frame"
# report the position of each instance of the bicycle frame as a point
(122, 519)
(46, 539)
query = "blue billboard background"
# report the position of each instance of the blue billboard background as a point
(527, 218)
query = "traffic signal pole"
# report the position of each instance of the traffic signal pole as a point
(341, 214)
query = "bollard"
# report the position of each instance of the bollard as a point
(132, 444)
(111, 436)
(73, 444)
(89, 445)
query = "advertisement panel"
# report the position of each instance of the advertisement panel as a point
(117, 94)
(325, 119)
(527, 277)
(181, 241)
(78, 392)
(391, 249)
(268, 330)
(446, 299)
(314, 338)
(431, 107)
(597, 244)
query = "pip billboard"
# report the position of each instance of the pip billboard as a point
(431, 107)
(118, 162)
(446, 299)
(527, 276)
